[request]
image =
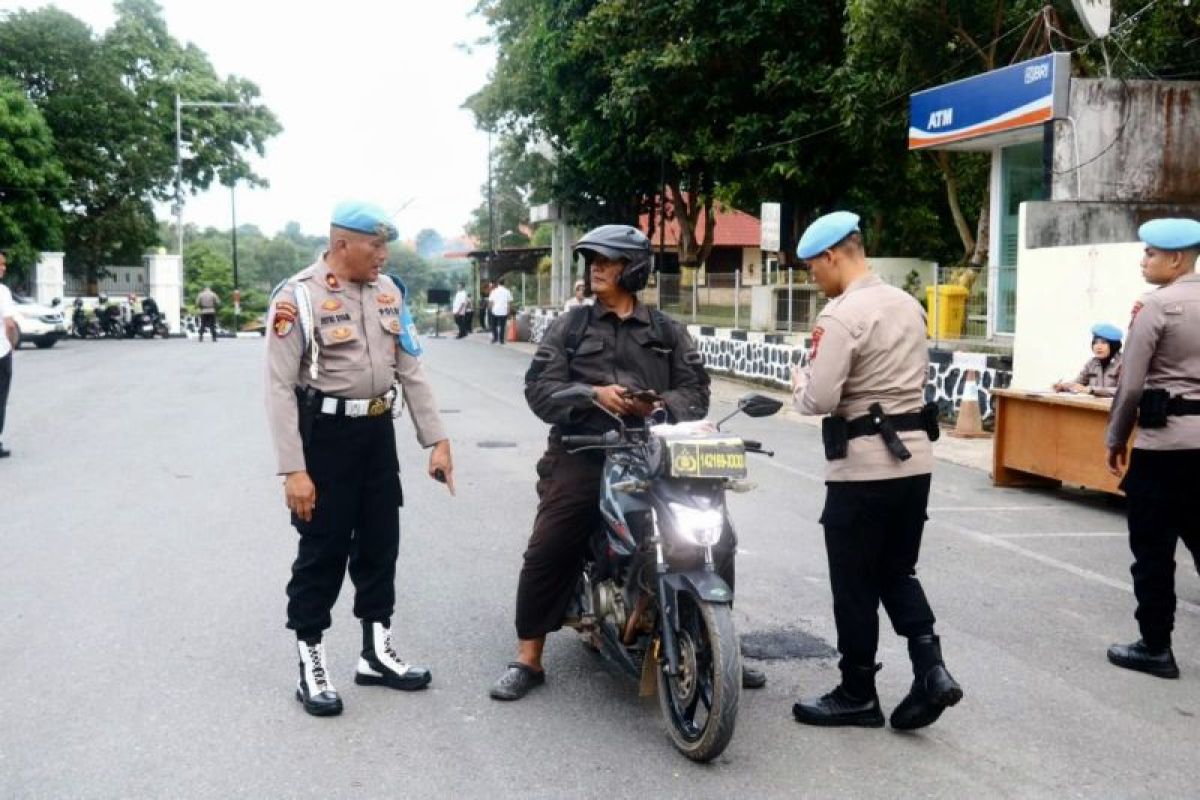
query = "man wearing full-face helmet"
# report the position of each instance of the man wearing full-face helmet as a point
(622, 348)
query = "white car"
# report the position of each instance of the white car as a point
(39, 324)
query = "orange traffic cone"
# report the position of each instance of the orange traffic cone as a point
(512, 330)
(969, 424)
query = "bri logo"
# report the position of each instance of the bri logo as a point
(941, 118)
(1036, 73)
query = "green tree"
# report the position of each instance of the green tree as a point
(110, 103)
(31, 180)
(429, 243)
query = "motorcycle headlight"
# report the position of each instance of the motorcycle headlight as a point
(701, 526)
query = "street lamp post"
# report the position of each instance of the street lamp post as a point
(181, 104)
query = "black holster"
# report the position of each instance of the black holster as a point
(929, 416)
(308, 402)
(835, 433)
(887, 432)
(1153, 408)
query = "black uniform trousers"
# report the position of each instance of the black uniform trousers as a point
(356, 522)
(568, 514)
(208, 322)
(873, 539)
(6, 365)
(1163, 507)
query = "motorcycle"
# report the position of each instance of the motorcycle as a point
(140, 324)
(83, 326)
(109, 320)
(651, 597)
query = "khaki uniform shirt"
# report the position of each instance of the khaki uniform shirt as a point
(869, 347)
(207, 302)
(355, 326)
(1162, 351)
(1101, 380)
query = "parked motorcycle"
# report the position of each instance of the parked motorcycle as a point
(109, 319)
(83, 325)
(140, 324)
(157, 319)
(651, 596)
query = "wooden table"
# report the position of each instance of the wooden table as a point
(1044, 438)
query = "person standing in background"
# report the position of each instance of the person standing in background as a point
(207, 303)
(499, 302)
(10, 336)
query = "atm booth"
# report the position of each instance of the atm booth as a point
(1009, 113)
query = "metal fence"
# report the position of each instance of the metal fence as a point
(721, 300)
(957, 302)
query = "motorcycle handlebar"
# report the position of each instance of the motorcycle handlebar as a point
(585, 440)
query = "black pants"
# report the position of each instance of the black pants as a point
(873, 538)
(568, 514)
(464, 324)
(5, 380)
(208, 322)
(498, 328)
(1163, 507)
(352, 462)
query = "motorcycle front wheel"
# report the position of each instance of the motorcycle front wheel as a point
(700, 704)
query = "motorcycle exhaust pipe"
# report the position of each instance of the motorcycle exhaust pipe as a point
(631, 625)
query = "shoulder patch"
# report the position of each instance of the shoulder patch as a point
(284, 318)
(817, 333)
(1137, 306)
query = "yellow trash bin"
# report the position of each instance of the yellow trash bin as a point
(945, 313)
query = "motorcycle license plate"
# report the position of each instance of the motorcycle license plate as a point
(708, 458)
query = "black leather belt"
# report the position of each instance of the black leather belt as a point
(1182, 407)
(868, 424)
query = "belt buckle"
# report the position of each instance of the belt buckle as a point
(376, 407)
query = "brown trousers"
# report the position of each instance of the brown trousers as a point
(568, 513)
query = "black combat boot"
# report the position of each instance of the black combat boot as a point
(379, 664)
(853, 702)
(933, 689)
(1156, 661)
(314, 689)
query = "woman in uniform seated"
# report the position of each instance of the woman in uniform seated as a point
(1100, 374)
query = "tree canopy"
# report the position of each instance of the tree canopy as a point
(603, 106)
(109, 102)
(31, 180)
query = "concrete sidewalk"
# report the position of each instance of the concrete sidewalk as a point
(973, 453)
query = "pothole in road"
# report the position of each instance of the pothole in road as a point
(780, 644)
(492, 444)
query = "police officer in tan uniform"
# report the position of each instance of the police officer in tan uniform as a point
(867, 371)
(1160, 391)
(336, 367)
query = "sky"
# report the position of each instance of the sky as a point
(368, 92)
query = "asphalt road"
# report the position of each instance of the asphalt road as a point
(144, 549)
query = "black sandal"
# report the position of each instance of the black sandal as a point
(516, 682)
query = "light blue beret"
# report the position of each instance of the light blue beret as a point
(825, 232)
(354, 215)
(1171, 234)
(1106, 330)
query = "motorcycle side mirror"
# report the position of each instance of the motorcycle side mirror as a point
(757, 405)
(576, 395)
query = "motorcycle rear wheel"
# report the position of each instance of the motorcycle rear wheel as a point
(700, 705)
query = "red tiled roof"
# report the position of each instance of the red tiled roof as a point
(733, 229)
